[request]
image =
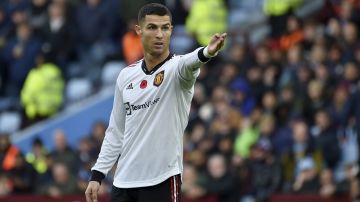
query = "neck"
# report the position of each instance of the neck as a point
(152, 60)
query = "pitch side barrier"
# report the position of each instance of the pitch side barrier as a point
(76, 121)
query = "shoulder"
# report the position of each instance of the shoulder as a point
(129, 70)
(131, 66)
(175, 58)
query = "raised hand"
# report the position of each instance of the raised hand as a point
(216, 43)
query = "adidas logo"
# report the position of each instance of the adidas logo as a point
(129, 87)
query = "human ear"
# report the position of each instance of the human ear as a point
(138, 29)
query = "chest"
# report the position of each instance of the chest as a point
(140, 88)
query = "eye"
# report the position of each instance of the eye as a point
(152, 27)
(166, 28)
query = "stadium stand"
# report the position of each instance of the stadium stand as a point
(275, 117)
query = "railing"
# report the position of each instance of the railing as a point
(105, 198)
(28, 198)
(76, 121)
(307, 198)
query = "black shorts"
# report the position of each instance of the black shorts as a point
(167, 191)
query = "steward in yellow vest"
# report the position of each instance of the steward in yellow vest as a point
(42, 93)
(206, 17)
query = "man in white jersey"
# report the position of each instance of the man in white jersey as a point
(149, 115)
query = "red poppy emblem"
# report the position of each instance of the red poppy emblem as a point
(143, 84)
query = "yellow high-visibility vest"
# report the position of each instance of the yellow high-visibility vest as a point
(280, 7)
(42, 93)
(206, 18)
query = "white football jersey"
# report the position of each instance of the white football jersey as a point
(148, 119)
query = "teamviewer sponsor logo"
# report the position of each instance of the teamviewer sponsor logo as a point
(127, 108)
(132, 107)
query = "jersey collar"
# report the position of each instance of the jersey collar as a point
(146, 71)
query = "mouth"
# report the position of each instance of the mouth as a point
(159, 44)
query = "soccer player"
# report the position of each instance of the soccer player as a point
(149, 115)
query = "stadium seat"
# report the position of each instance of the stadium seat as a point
(5, 103)
(77, 89)
(9, 122)
(111, 71)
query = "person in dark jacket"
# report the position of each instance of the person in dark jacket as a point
(19, 55)
(265, 171)
(56, 30)
(326, 139)
(352, 110)
(219, 181)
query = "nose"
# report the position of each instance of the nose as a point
(159, 34)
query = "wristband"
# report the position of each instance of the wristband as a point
(97, 176)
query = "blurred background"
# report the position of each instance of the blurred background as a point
(275, 117)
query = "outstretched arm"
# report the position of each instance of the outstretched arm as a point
(190, 63)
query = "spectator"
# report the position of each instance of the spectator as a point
(265, 171)
(62, 183)
(87, 159)
(278, 11)
(17, 17)
(198, 24)
(19, 55)
(219, 181)
(254, 78)
(191, 190)
(302, 148)
(228, 74)
(97, 135)
(226, 122)
(8, 153)
(315, 100)
(248, 135)
(36, 14)
(294, 33)
(349, 40)
(351, 112)
(243, 100)
(351, 77)
(131, 44)
(55, 30)
(307, 180)
(37, 157)
(22, 176)
(338, 101)
(63, 152)
(42, 94)
(326, 139)
(270, 78)
(238, 55)
(94, 34)
(269, 102)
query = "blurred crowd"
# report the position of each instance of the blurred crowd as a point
(278, 111)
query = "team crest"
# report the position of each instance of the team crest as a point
(159, 77)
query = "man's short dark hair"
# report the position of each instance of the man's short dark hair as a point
(153, 9)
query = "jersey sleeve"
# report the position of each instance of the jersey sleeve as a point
(112, 145)
(189, 67)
